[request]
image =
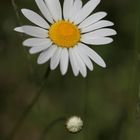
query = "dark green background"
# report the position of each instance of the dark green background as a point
(107, 100)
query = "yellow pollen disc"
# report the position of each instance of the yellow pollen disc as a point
(64, 34)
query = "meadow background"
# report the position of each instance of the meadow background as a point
(34, 102)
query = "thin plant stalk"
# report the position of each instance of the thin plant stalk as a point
(29, 108)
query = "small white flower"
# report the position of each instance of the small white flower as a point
(64, 37)
(74, 124)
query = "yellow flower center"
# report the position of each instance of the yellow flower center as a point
(64, 34)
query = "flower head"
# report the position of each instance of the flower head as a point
(61, 36)
(74, 124)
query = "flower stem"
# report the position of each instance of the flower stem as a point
(30, 106)
(137, 67)
(86, 108)
(16, 9)
(48, 128)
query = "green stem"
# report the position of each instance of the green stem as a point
(86, 108)
(16, 9)
(30, 106)
(48, 128)
(137, 68)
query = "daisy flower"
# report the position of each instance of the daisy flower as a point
(63, 36)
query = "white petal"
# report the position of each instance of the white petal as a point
(75, 9)
(46, 55)
(97, 41)
(92, 54)
(36, 42)
(33, 31)
(73, 62)
(84, 57)
(44, 10)
(97, 25)
(56, 58)
(55, 9)
(99, 33)
(92, 19)
(81, 64)
(35, 18)
(67, 8)
(19, 29)
(86, 11)
(38, 49)
(64, 61)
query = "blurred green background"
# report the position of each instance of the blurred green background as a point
(34, 101)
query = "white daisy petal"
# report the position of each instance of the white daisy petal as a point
(35, 18)
(44, 10)
(97, 41)
(93, 55)
(73, 62)
(81, 64)
(67, 8)
(38, 49)
(46, 55)
(56, 58)
(84, 57)
(55, 9)
(86, 11)
(64, 61)
(36, 42)
(33, 31)
(19, 29)
(99, 33)
(92, 19)
(75, 9)
(97, 25)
